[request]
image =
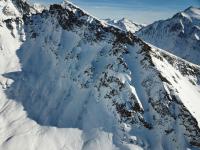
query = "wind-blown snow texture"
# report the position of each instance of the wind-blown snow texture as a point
(179, 35)
(70, 81)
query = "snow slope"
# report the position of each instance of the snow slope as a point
(124, 24)
(178, 35)
(69, 81)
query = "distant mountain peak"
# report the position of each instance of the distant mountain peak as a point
(192, 10)
(125, 24)
(179, 34)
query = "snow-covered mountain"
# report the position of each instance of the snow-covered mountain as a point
(124, 24)
(179, 35)
(70, 81)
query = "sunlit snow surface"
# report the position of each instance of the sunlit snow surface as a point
(54, 93)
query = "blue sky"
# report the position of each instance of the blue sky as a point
(140, 11)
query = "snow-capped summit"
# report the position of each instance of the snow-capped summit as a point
(124, 24)
(179, 35)
(193, 12)
(68, 81)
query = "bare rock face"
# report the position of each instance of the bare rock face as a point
(68, 78)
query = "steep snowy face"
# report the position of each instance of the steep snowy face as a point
(69, 81)
(124, 24)
(179, 35)
(8, 10)
(194, 14)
